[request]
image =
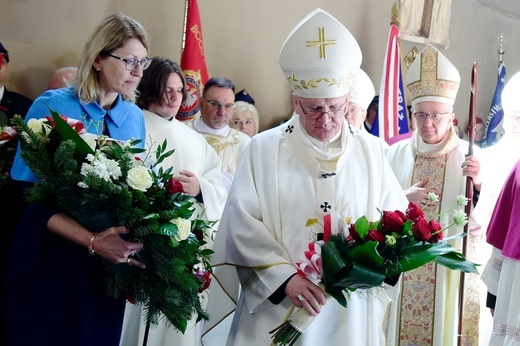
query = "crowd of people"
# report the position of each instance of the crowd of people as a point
(260, 188)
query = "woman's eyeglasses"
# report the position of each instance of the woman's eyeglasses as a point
(131, 64)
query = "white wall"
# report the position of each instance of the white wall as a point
(243, 38)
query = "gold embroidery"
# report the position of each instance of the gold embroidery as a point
(301, 84)
(430, 84)
(322, 43)
(218, 144)
(471, 315)
(418, 297)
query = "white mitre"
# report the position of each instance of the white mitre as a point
(320, 57)
(362, 91)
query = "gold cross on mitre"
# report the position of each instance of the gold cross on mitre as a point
(321, 42)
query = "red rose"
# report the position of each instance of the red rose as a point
(402, 215)
(199, 234)
(421, 229)
(353, 233)
(392, 221)
(174, 186)
(435, 228)
(414, 211)
(206, 279)
(376, 235)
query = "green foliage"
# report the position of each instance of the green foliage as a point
(168, 286)
(349, 265)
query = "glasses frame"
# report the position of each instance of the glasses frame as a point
(228, 107)
(333, 114)
(435, 117)
(144, 63)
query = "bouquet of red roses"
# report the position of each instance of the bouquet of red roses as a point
(365, 254)
(101, 182)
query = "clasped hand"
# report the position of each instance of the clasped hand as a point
(111, 246)
(306, 294)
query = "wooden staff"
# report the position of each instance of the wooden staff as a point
(469, 187)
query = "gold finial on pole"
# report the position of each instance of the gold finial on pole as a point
(394, 19)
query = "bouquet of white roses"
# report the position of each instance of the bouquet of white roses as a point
(101, 183)
(365, 254)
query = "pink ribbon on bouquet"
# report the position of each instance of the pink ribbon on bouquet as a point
(311, 268)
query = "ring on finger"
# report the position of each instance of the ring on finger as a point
(132, 253)
(128, 260)
(300, 298)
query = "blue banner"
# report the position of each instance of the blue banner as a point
(496, 112)
(402, 111)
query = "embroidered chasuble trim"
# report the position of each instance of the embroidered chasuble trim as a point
(416, 325)
(230, 296)
(418, 310)
(219, 145)
(471, 312)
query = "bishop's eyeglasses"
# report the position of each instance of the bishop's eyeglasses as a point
(317, 112)
(436, 117)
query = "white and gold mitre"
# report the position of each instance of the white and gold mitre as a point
(432, 77)
(320, 57)
(362, 91)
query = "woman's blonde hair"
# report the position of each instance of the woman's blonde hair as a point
(110, 34)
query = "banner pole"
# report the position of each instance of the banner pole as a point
(184, 26)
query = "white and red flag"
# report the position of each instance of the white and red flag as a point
(392, 118)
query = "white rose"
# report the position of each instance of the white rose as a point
(90, 139)
(40, 128)
(139, 178)
(184, 227)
